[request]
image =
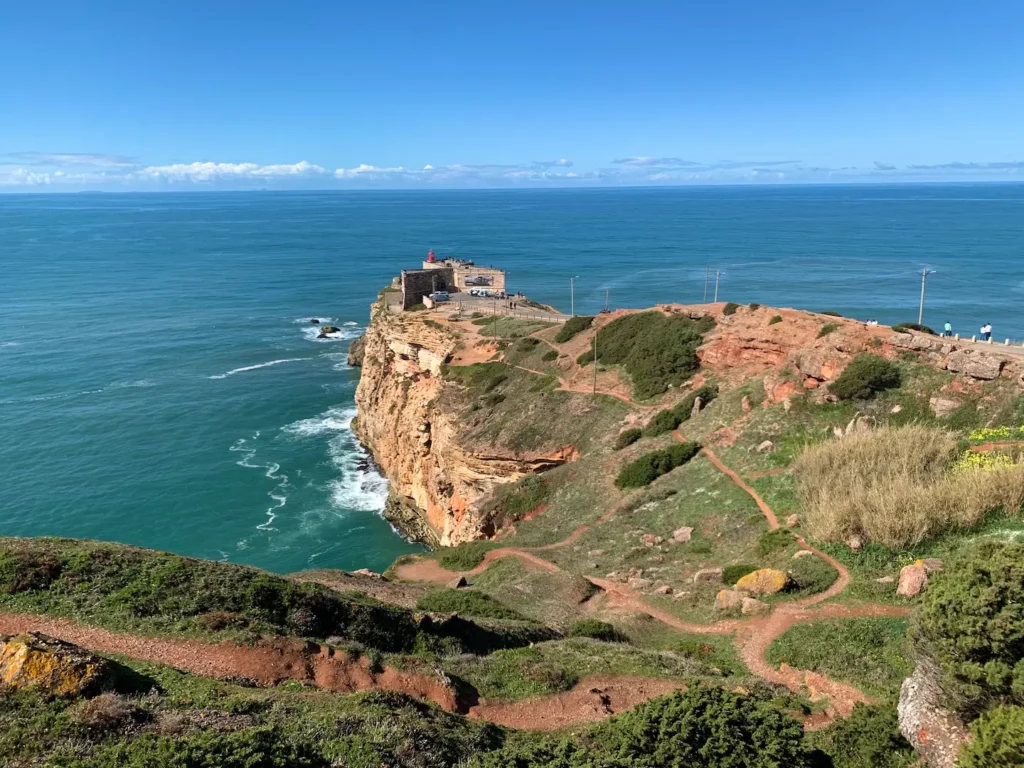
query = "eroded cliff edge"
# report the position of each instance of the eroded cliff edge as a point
(422, 431)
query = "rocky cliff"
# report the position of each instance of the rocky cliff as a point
(438, 470)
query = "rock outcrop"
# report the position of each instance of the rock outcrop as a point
(936, 732)
(438, 476)
(52, 666)
(765, 581)
(355, 352)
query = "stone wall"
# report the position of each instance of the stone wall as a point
(417, 283)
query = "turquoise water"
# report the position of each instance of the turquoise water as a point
(160, 383)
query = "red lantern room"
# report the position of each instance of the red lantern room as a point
(430, 257)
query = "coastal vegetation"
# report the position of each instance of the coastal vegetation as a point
(657, 351)
(649, 467)
(907, 327)
(865, 376)
(668, 419)
(573, 326)
(627, 437)
(730, 308)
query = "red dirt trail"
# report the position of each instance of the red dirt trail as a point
(271, 662)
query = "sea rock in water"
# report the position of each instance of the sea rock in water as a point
(53, 666)
(314, 321)
(765, 581)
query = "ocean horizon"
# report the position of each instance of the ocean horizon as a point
(161, 384)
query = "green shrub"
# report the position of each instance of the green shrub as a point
(527, 343)
(771, 542)
(753, 306)
(628, 437)
(264, 747)
(826, 329)
(730, 308)
(513, 501)
(775, 319)
(907, 327)
(598, 630)
(649, 467)
(869, 738)
(585, 358)
(812, 574)
(701, 727)
(668, 419)
(830, 313)
(464, 557)
(733, 573)
(573, 326)
(417, 307)
(864, 376)
(997, 740)
(551, 354)
(657, 351)
(467, 602)
(972, 623)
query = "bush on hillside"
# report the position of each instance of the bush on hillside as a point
(826, 329)
(597, 630)
(898, 487)
(466, 602)
(730, 308)
(585, 358)
(775, 319)
(829, 313)
(668, 419)
(649, 467)
(527, 343)
(869, 738)
(573, 326)
(907, 327)
(513, 501)
(550, 355)
(464, 557)
(657, 351)
(628, 437)
(972, 623)
(753, 306)
(997, 740)
(733, 573)
(812, 575)
(701, 727)
(865, 375)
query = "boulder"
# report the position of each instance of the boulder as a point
(649, 539)
(793, 521)
(52, 666)
(765, 581)
(973, 364)
(639, 583)
(663, 589)
(820, 364)
(679, 535)
(855, 542)
(885, 579)
(802, 553)
(766, 447)
(314, 321)
(596, 553)
(934, 730)
(745, 404)
(708, 576)
(356, 352)
(327, 330)
(915, 341)
(943, 406)
(912, 580)
(728, 598)
(697, 405)
(811, 383)
(457, 583)
(752, 607)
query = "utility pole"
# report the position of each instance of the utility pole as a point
(572, 295)
(596, 331)
(707, 274)
(605, 299)
(718, 274)
(924, 276)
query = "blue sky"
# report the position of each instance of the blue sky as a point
(215, 94)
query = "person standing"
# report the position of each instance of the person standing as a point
(986, 332)
(948, 330)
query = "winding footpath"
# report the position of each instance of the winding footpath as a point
(752, 637)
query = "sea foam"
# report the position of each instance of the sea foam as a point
(258, 366)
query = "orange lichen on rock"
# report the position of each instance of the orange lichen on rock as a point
(53, 666)
(766, 581)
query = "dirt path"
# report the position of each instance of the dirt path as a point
(752, 637)
(591, 699)
(270, 662)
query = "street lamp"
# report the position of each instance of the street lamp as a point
(572, 295)
(924, 276)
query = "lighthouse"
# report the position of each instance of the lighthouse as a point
(431, 259)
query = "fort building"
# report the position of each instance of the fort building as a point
(451, 275)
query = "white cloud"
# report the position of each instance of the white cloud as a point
(227, 172)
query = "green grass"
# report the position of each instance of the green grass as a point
(556, 666)
(466, 602)
(868, 653)
(509, 327)
(573, 326)
(299, 727)
(464, 557)
(826, 329)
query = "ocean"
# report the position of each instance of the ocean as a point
(161, 385)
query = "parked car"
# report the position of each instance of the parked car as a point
(439, 296)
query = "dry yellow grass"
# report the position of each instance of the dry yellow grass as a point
(898, 487)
